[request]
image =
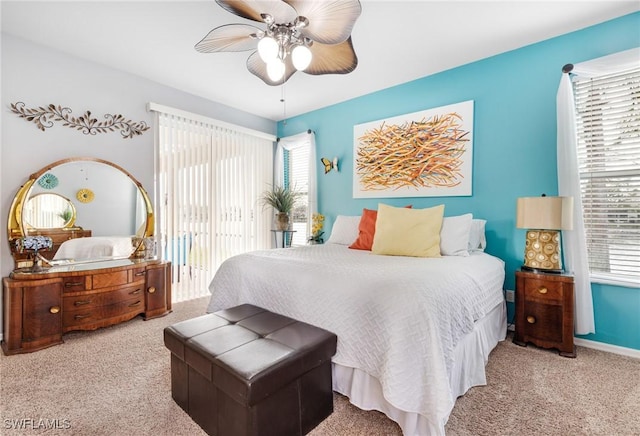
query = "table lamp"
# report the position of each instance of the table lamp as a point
(544, 217)
(34, 244)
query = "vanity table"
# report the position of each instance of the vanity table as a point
(39, 307)
(107, 272)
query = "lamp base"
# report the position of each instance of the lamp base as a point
(542, 270)
(542, 251)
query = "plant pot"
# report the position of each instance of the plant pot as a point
(282, 221)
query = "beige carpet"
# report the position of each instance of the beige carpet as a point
(116, 381)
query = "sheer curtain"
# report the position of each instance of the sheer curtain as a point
(575, 247)
(209, 176)
(304, 139)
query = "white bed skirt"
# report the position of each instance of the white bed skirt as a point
(468, 370)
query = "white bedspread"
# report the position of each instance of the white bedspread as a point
(396, 318)
(95, 247)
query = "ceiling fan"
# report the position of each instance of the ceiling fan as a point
(313, 36)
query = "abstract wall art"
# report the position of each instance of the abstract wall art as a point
(422, 154)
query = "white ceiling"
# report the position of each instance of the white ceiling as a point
(395, 41)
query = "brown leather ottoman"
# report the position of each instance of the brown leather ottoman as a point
(248, 371)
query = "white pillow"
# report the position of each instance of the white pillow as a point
(454, 235)
(344, 230)
(477, 238)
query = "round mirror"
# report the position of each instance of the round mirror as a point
(49, 211)
(82, 197)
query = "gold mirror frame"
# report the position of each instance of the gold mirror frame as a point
(16, 227)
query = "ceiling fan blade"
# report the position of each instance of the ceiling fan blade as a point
(332, 58)
(251, 9)
(230, 37)
(330, 21)
(258, 67)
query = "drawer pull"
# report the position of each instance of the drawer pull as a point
(141, 273)
(136, 292)
(137, 303)
(82, 302)
(543, 290)
(71, 284)
(531, 319)
(81, 316)
(54, 309)
(152, 289)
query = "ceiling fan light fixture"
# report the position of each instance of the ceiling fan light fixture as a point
(268, 49)
(313, 36)
(301, 57)
(275, 69)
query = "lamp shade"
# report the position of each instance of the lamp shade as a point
(545, 213)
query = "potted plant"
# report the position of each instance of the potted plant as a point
(282, 199)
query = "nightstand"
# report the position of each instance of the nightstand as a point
(544, 311)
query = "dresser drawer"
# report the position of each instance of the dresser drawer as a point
(118, 278)
(543, 290)
(78, 318)
(93, 300)
(74, 284)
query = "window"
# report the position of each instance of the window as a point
(608, 133)
(295, 168)
(296, 176)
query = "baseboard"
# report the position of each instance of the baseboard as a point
(607, 347)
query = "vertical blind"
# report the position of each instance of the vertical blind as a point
(608, 130)
(209, 177)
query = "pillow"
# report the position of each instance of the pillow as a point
(366, 230)
(477, 238)
(408, 232)
(454, 235)
(344, 230)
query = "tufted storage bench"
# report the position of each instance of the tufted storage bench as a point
(248, 371)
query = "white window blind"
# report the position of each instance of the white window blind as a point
(608, 130)
(297, 177)
(209, 176)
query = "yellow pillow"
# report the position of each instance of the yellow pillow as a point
(408, 232)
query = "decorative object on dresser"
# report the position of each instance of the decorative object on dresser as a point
(34, 244)
(38, 308)
(544, 217)
(544, 311)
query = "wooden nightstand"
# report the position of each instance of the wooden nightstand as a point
(544, 311)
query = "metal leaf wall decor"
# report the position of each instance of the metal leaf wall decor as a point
(44, 117)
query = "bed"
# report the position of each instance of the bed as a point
(95, 247)
(413, 333)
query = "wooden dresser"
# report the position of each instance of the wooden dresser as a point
(39, 307)
(544, 311)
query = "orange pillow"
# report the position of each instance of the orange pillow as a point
(367, 230)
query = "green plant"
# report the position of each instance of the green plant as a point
(66, 215)
(280, 198)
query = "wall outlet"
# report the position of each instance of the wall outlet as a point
(510, 296)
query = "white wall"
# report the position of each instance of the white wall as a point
(39, 76)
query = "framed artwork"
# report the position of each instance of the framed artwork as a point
(422, 154)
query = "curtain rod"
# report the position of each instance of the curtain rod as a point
(309, 131)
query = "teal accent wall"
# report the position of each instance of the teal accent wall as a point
(514, 147)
